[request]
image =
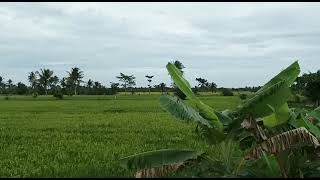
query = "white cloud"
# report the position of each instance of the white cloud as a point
(234, 44)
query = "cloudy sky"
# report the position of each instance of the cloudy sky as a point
(232, 44)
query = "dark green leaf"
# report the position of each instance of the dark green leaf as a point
(287, 75)
(181, 110)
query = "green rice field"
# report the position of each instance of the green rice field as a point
(85, 136)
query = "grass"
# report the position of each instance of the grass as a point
(85, 136)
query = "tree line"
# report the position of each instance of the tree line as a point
(308, 85)
(45, 82)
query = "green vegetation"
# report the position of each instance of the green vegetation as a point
(64, 128)
(178, 92)
(243, 96)
(263, 127)
(227, 92)
(309, 86)
(84, 136)
(128, 81)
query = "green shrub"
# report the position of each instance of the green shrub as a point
(35, 95)
(227, 92)
(58, 93)
(243, 96)
(281, 142)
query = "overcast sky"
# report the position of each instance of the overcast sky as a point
(232, 44)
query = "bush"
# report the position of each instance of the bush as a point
(227, 92)
(58, 93)
(6, 98)
(35, 95)
(111, 91)
(312, 91)
(243, 96)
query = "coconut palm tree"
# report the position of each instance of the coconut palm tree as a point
(32, 78)
(97, 86)
(75, 76)
(54, 82)
(9, 83)
(89, 85)
(45, 79)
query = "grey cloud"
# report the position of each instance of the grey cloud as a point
(233, 44)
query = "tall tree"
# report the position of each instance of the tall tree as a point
(54, 82)
(309, 85)
(213, 87)
(45, 77)
(9, 85)
(203, 83)
(2, 85)
(128, 81)
(89, 83)
(114, 87)
(179, 65)
(178, 92)
(22, 89)
(97, 84)
(97, 87)
(75, 77)
(313, 91)
(89, 86)
(149, 79)
(66, 86)
(162, 86)
(33, 80)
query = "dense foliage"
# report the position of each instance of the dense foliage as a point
(270, 136)
(227, 92)
(309, 85)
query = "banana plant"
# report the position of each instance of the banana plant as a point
(265, 121)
